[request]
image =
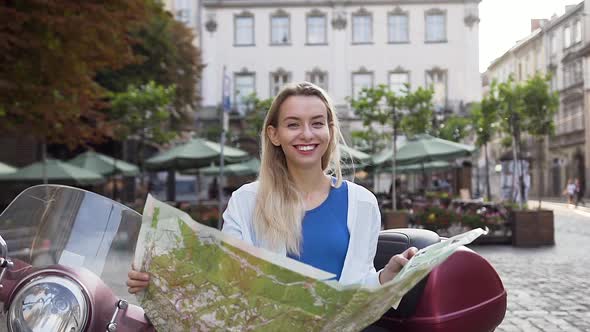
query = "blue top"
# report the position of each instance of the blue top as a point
(325, 233)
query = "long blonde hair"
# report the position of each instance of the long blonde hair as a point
(279, 210)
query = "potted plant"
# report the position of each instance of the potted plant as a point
(395, 219)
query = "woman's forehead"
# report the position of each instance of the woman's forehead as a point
(303, 107)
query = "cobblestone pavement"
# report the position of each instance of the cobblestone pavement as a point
(549, 287)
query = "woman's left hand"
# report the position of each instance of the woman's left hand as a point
(395, 264)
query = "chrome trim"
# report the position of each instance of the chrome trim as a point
(121, 305)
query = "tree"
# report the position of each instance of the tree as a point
(540, 106)
(256, 113)
(50, 52)
(484, 117)
(382, 106)
(418, 105)
(168, 57)
(512, 118)
(454, 128)
(141, 113)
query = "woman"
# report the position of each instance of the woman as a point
(297, 209)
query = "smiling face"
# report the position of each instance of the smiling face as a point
(302, 131)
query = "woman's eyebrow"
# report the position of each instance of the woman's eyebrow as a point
(298, 119)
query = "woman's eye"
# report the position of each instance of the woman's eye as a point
(292, 125)
(318, 124)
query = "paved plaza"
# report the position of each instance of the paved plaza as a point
(548, 287)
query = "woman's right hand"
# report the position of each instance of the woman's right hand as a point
(137, 281)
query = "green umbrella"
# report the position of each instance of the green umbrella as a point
(195, 153)
(424, 148)
(56, 171)
(250, 167)
(5, 169)
(103, 164)
(429, 166)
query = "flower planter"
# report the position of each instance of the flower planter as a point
(532, 228)
(395, 219)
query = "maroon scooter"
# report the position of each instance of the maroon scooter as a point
(65, 254)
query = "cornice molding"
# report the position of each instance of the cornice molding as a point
(324, 3)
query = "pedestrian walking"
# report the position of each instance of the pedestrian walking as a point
(570, 191)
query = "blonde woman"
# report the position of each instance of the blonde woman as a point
(300, 206)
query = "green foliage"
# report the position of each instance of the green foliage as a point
(143, 112)
(436, 218)
(540, 106)
(455, 128)
(167, 56)
(418, 120)
(256, 114)
(380, 106)
(484, 116)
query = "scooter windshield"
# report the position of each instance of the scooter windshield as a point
(52, 224)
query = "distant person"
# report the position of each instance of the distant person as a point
(300, 206)
(570, 191)
(579, 192)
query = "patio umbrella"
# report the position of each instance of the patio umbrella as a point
(104, 165)
(56, 171)
(422, 149)
(250, 167)
(196, 153)
(5, 169)
(427, 167)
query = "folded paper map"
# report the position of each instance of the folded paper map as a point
(204, 280)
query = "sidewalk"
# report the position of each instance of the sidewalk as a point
(559, 201)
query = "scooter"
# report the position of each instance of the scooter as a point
(65, 254)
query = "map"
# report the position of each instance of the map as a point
(204, 280)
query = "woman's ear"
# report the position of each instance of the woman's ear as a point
(271, 132)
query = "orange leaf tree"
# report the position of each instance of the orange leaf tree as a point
(50, 52)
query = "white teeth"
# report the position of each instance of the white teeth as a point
(306, 147)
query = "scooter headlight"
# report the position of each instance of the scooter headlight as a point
(49, 303)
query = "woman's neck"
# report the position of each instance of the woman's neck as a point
(309, 181)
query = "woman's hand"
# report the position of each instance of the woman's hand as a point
(137, 281)
(395, 264)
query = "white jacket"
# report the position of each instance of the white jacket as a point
(364, 223)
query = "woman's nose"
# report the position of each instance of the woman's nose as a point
(307, 131)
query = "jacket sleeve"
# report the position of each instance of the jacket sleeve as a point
(371, 279)
(236, 218)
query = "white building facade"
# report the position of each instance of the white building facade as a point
(340, 45)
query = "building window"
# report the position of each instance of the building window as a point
(318, 77)
(277, 80)
(553, 81)
(577, 31)
(244, 87)
(436, 26)
(437, 80)
(398, 81)
(572, 73)
(553, 44)
(183, 11)
(361, 80)
(280, 29)
(567, 37)
(398, 28)
(362, 27)
(244, 30)
(316, 29)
